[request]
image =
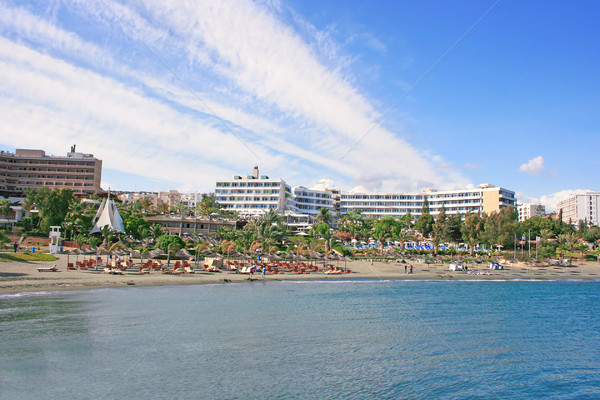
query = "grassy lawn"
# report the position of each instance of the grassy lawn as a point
(26, 257)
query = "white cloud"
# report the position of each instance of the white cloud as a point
(550, 201)
(535, 166)
(297, 115)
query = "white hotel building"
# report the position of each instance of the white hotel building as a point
(581, 207)
(253, 195)
(485, 198)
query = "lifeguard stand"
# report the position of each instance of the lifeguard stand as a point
(54, 239)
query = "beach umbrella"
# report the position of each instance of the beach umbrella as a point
(77, 252)
(183, 253)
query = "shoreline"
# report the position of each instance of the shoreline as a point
(21, 277)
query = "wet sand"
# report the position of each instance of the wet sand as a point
(16, 277)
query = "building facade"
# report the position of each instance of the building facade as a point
(252, 195)
(581, 207)
(310, 201)
(485, 198)
(175, 224)
(526, 211)
(25, 168)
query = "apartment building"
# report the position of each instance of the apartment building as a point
(33, 168)
(310, 201)
(253, 195)
(526, 211)
(485, 198)
(581, 207)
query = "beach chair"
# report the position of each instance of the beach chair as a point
(71, 266)
(48, 269)
(188, 270)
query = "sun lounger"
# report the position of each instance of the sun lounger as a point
(188, 270)
(48, 269)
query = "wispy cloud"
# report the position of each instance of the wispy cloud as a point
(473, 166)
(256, 72)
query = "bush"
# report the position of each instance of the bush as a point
(591, 257)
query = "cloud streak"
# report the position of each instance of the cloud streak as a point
(243, 59)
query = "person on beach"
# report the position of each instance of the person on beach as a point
(405, 267)
(16, 246)
(411, 268)
(264, 270)
(251, 272)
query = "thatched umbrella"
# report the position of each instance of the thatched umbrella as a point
(77, 252)
(183, 253)
(345, 259)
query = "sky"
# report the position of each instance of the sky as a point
(377, 96)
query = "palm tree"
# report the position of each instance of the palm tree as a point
(324, 216)
(569, 239)
(323, 230)
(182, 208)
(199, 248)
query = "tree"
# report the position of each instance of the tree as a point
(471, 229)
(324, 216)
(407, 221)
(323, 231)
(500, 228)
(592, 235)
(568, 239)
(170, 244)
(386, 229)
(581, 247)
(80, 239)
(425, 221)
(208, 206)
(440, 229)
(3, 238)
(4, 208)
(351, 222)
(53, 205)
(135, 224)
(182, 209)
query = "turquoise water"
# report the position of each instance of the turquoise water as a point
(305, 340)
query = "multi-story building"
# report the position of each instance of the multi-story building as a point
(253, 195)
(33, 168)
(310, 201)
(191, 225)
(526, 211)
(485, 198)
(581, 207)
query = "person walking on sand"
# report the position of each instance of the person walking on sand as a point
(264, 270)
(405, 267)
(411, 268)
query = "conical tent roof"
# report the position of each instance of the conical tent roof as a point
(108, 215)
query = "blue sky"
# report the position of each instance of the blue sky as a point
(174, 96)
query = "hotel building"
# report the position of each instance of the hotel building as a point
(580, 207)
(33, 168)
(310, 201)
(485, 198)
(526, 211)
(253, 195)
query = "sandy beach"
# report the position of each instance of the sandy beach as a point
(16, 277)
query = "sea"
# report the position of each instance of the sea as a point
(354, 339)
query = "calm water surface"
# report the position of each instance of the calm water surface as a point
(305, 340)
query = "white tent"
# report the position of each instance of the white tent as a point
(108, 215)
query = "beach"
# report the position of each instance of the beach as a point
(16, 277)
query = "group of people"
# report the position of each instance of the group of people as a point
(408, 269)
(263, 272)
